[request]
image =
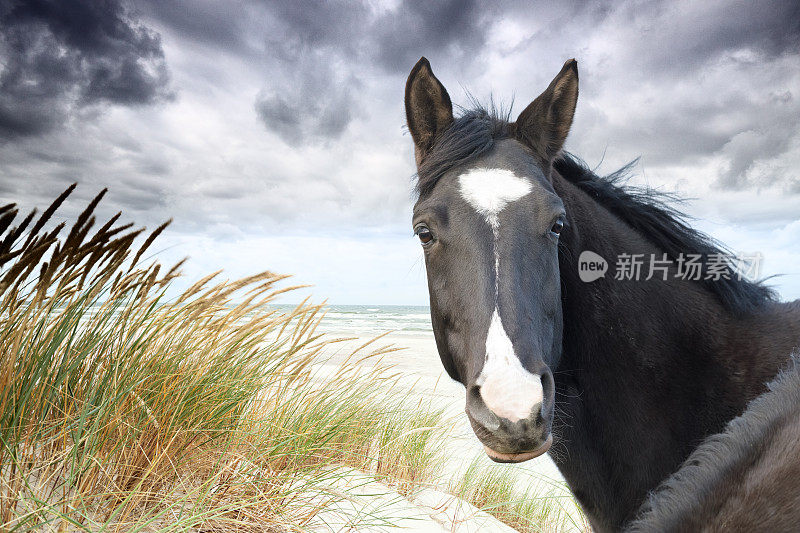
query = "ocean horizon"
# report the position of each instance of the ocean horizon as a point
(371, 320)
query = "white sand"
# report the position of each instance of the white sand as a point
(372, 507)
(421, 370)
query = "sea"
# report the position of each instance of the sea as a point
(371, 320)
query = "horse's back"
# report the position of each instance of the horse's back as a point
(743, 479)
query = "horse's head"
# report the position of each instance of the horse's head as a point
(489, 222)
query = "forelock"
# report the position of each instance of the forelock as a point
(470, 135)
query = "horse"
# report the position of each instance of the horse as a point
(620, 377)
(743, 479)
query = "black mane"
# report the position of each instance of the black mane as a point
(647, 211)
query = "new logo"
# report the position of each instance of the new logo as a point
(591, 266)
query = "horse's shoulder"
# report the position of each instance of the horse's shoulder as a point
(742, 474)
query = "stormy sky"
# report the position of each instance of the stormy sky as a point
(273, 132)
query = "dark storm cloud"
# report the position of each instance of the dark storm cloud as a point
(61, 56)
(683, 37)
(688, 86)
(314, 101)
(214, 22)
(298, 119)
(456, 28)
(328, 47)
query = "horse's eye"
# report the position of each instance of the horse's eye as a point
(424, 234)
(558, 225)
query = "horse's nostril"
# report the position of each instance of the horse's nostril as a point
(547, 382)
(478, 412)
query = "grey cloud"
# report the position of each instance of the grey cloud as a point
(357, 30)
(315, 103)
(315, 47)
(772, 29)
(682, 84)
(279, 115)
(456, 29)
(321, 50)
(322, 23)
(744, 154)
(298, 121)
(141, 196)
(664, 40)
(668, 37)
(392, 39)
(61, 56)
(217, 23)
(676, 131)
(742, 151)
(324, 48)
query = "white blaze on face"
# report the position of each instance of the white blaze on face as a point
(507, 389)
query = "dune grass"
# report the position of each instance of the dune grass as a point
(124, 409)
(546, 506)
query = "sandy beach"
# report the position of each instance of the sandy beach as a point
(421, 371)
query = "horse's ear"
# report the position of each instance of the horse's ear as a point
(544, 124)
(428, 107)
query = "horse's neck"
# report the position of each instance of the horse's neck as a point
(646, 371)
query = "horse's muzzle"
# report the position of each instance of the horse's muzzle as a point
(513, 440)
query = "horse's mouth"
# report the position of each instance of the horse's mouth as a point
(519, 457)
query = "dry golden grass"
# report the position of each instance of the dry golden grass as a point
(124, 410)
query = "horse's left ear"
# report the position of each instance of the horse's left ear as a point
(544, 124)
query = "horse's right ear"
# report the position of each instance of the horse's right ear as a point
(428, 107)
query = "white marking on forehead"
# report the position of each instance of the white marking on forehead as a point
(489, 190)
(507, 389)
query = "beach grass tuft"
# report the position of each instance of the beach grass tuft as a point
(544, 506)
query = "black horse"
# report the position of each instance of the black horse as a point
(744, 479)
(626, 372)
